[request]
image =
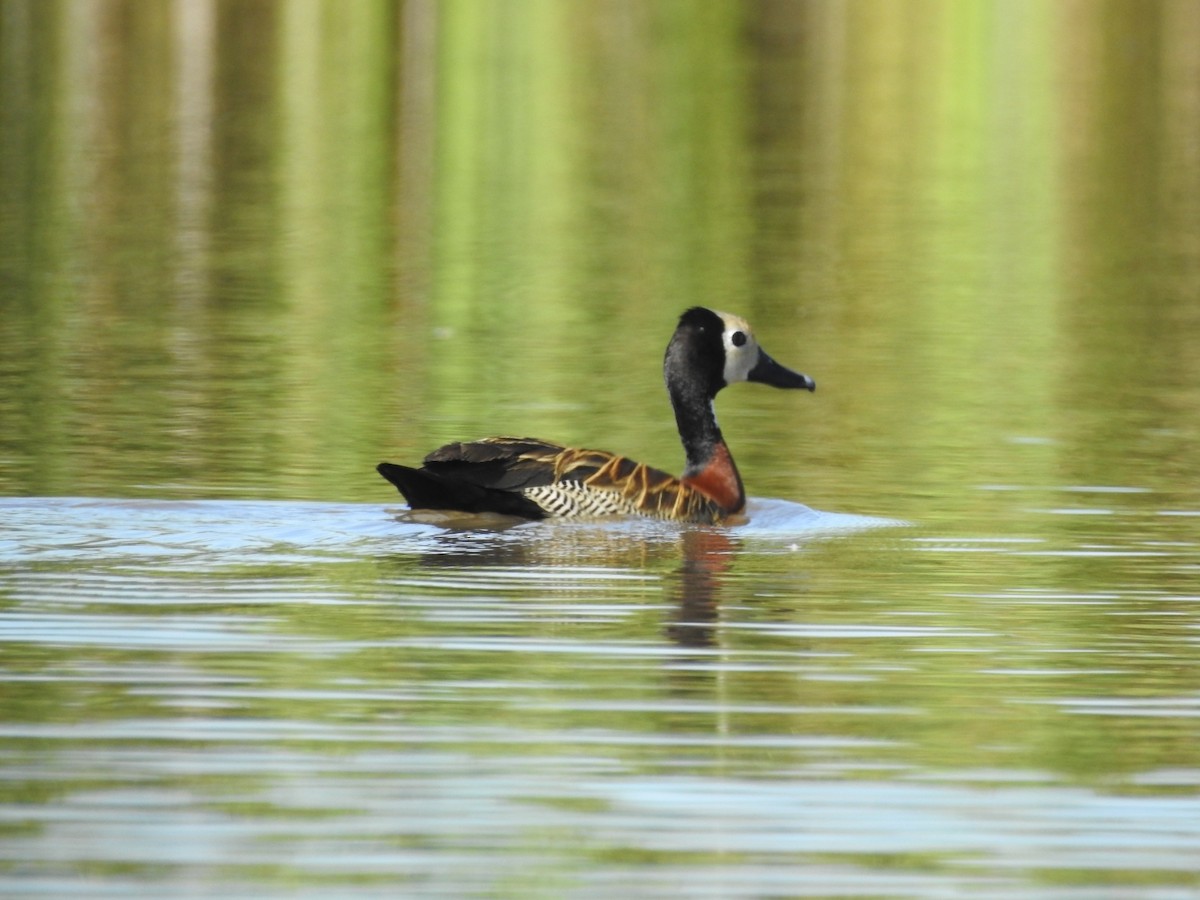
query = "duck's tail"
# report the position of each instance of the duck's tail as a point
(424, 489)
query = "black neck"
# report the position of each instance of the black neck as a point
(697, 424)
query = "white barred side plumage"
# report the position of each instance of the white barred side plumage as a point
(576, 498)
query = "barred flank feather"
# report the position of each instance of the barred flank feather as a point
(575, 498)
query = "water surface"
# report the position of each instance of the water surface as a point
(249, 250)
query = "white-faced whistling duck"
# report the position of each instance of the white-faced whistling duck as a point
(535, 479)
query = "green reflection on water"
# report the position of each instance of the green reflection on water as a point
(251, 252)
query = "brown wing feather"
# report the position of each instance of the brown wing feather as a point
(651, 491)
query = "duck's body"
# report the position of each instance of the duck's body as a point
(535, 479)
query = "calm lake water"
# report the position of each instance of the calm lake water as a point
(248, 250)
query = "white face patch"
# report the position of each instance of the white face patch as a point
(741, 349)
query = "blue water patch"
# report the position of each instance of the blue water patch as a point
(782, 518)
(63, 528)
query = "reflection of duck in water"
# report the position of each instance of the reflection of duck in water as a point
(535, 479)
(707, 553)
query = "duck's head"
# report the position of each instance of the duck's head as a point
(711, 350)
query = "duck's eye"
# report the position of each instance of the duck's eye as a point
(738, 338)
